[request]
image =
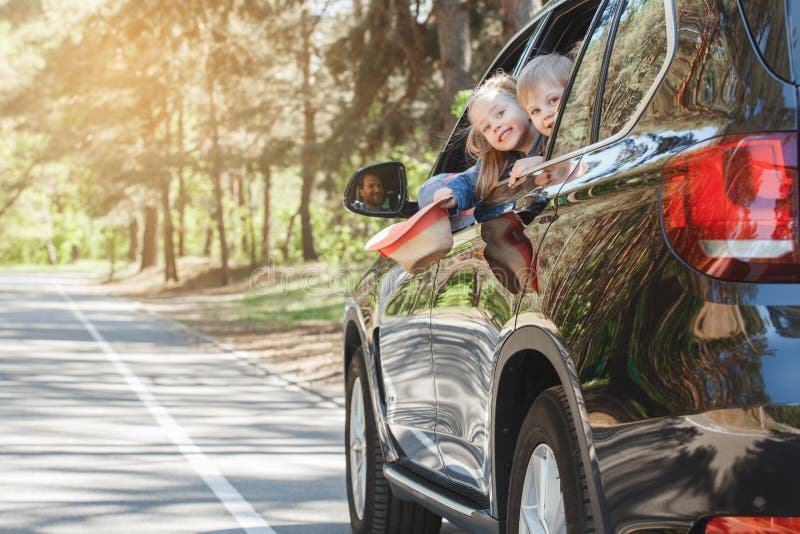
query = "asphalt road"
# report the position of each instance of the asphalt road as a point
(114, 421)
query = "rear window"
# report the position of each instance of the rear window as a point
(766, 23)
(637, 55)
(574, 128)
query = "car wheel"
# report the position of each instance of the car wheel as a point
(373, 508)
(548, 492)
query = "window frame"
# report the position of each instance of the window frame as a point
(528, 36)
(672, 39)
(576, 64)
(597, 112)
(558, 12)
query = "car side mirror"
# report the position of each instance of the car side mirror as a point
(379, 190)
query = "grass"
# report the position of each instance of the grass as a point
(291, 301)
(331, 312)
(269, 299)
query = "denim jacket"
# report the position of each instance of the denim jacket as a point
(463, 187)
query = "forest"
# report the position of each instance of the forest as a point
(142, 131)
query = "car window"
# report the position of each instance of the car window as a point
(638, 52)
(453, 157)
(530, 48)
(766, 23)
(575, 126)
(566, 26)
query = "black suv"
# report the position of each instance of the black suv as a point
(624, 357)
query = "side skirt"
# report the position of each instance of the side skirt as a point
(454, 508)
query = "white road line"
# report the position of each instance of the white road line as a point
(239, 508)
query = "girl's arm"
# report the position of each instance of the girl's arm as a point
(521, 167)
(445, 193)
(462, 189)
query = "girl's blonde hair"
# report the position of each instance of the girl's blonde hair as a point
(554, 68)
(494, 162)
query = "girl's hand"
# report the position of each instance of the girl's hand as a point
(443, 193)
(520, 168)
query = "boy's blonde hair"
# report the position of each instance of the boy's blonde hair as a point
(493, 162)
(554, 68)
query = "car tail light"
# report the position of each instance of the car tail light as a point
(730, 207)
(752, 525)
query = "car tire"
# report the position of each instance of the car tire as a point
(373, 508)
(548, 482)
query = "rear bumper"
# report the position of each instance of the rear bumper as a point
(671, 472)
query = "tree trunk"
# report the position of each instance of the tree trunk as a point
(357, 33)
(216, 178)
(452, 19)
(170, 269)
(288, 243)
(52, 253)
(231, 181)
(112, 252)
(181, 186)
(266, 172)
(209, 241)
(309, 150)
(150, 237)
(251, 231)
(309, 254)
(133, 233)
(515, 14)
(241, 200)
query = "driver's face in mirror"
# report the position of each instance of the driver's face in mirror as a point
(370, 193)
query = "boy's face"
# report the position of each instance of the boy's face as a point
(542, 105)
(502, 122)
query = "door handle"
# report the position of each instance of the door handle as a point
(528, 206)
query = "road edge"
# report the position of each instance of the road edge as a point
(244, 357)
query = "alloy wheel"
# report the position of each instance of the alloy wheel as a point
(542, 504)
(358, 448)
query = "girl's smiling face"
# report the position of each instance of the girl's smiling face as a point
(501, 120)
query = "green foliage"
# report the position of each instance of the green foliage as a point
(786, 415)
(460, 102)
(344, 242)
(40, 218)
(91, 94)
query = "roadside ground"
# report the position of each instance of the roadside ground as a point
(286, 317)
